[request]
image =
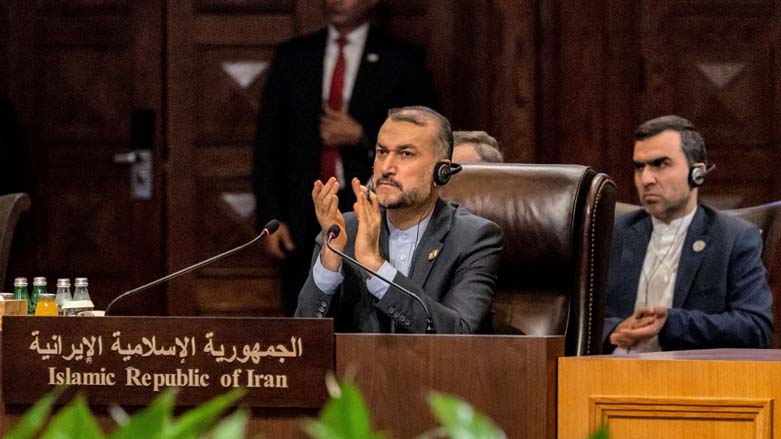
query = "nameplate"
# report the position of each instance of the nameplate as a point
(130, 360)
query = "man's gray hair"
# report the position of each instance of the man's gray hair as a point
(416, 115)
(486, 145)
(692, 143)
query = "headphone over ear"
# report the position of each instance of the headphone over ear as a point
(443, 170)
(696, 176)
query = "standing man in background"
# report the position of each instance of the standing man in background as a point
(325, 98)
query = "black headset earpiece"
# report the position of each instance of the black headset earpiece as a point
(696, 176)
(443, 170)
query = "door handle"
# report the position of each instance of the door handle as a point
(141, 175)
(125, 158)
(142, 133)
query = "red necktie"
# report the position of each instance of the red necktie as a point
(330, 155)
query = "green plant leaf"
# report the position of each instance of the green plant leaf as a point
(197, 420)
(345, 415)
(36, 416)
(151, 422)
(460, 421)
(602, 433)
(233, 426)
(74, 421)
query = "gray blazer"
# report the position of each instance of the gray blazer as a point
(454, 270)
(721, 296)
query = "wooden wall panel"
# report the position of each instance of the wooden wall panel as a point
(219, 55)
(581, 87)
(228, 83)
(622, 82)
(81, 96)
(487, 71)
(588, 87)
(718, 66)
(3, 50)
(619, 63)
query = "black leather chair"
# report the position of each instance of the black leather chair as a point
(11, 208)
(767, 217)
(558, 223)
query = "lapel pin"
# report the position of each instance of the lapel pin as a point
(372, 57)
(698, 246)
(433, 254)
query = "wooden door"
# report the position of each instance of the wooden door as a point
(717, 63)
(77, 71)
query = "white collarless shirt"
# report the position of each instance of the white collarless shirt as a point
(660, 270)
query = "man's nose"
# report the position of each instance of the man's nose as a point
(388, 166)
(647, 176)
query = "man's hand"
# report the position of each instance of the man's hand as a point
(337, 129)
(367, 240)
(644, 324)
(279, 244)
(327, 212)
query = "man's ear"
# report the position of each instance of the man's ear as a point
(697, 173)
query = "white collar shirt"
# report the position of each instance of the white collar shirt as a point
(356, 40)
(660, 269)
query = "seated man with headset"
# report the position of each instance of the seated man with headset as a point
(441, 260)
(682, 275)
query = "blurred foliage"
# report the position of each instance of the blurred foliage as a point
(346, 415)
(157, 421)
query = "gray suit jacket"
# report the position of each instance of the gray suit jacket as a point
(454, 270)
(721, 296)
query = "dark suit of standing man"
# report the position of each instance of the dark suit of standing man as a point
(295, 124)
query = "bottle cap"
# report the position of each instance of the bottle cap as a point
(81, 282)
(63, 283)
(39, 281)
(20, 282)
(46, 296)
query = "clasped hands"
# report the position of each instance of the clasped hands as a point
(645, 323)
(367, 211)
(338, 129)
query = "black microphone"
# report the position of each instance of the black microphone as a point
(268, 229)
(334, 231)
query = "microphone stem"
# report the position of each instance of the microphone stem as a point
(429, 323)
(186, 270)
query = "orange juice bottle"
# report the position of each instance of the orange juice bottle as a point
(46, 305)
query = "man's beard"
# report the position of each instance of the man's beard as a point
(406, 198)
(667, 210)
